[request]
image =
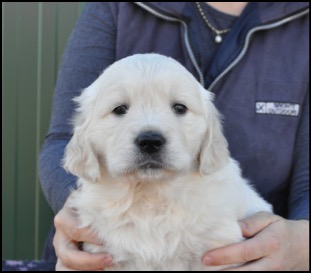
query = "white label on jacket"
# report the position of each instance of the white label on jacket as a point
(277, 108)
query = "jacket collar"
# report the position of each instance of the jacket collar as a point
(272, 11)
(268, 11)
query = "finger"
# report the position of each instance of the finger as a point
(73, 258)
(264, 264)
(84, 261)
(60, 267)
(83, 235)
(73, 231)
(249, 250)
(252, 225)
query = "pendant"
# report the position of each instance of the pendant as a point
(218, 39)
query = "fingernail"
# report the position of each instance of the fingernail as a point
(108, 262)
(208, 260)
(244, 229)
(242, 224)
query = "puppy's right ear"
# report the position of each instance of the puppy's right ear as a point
(80, 158)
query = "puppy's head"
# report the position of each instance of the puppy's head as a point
(146, 117)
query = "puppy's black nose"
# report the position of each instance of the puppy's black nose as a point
(150, 142)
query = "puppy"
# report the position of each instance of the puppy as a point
(156, 181)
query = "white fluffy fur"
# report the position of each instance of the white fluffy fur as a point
(155, 219)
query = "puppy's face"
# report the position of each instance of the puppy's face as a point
(145, 118)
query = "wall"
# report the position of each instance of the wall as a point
(33, 38)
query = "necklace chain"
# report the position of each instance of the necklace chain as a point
(218, 38)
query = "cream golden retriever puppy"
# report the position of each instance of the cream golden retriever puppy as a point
(156, 181)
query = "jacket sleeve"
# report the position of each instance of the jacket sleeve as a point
(299, 191)
(90, 49)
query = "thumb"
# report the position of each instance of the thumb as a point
(255, 223)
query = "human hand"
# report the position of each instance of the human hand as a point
(65, 242)
(273, 243)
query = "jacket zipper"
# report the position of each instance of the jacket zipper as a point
(186, 38)
(238, 58)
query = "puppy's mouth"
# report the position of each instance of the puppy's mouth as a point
(150, 166)
(150, 170)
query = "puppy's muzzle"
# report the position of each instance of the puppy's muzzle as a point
(150, 142)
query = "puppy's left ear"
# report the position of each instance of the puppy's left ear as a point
(214, 152)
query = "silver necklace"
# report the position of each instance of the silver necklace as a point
(218, 37)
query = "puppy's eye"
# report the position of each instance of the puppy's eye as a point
(120, 110)
(179, 109)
